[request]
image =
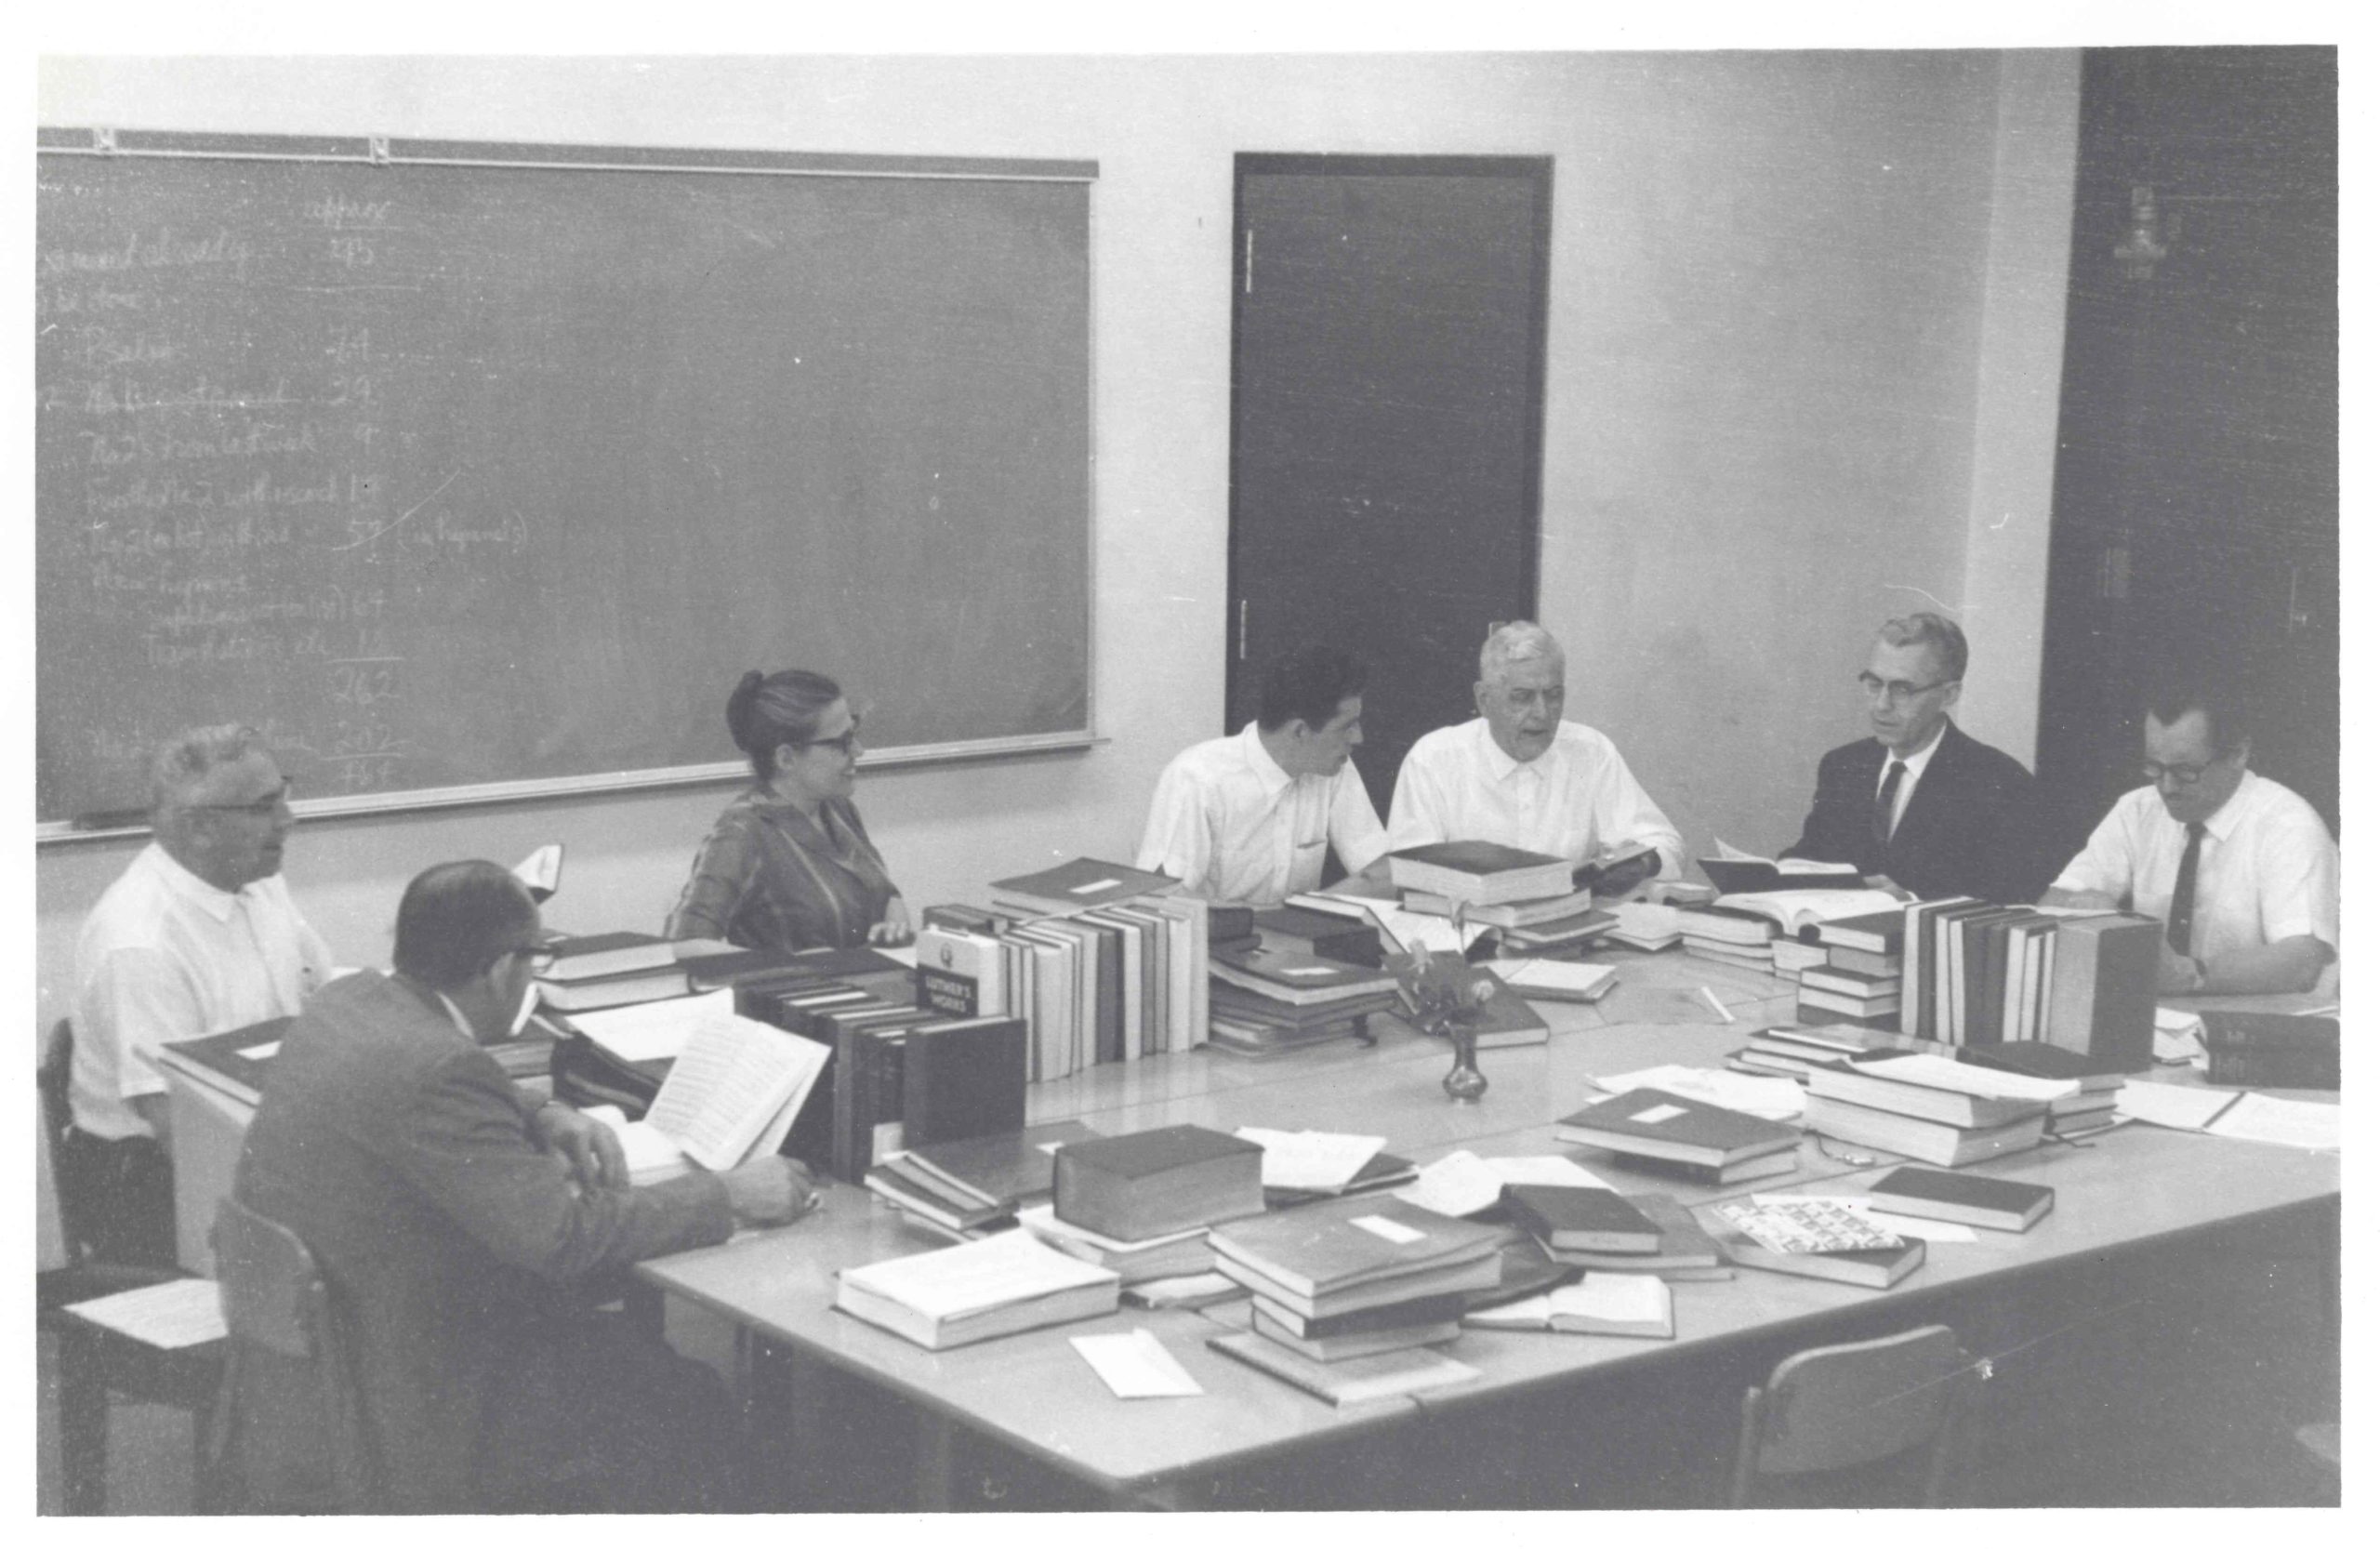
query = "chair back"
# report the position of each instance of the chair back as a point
(53, 1077)
(1840, 1406)
(293, 1426)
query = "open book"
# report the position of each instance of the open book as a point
(731, 1095)
(1797, 910)
(1734, 871)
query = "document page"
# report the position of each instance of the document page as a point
(1460, 1184)
(2278, 1122)
(656, 1029)
(1777, 1097)
(977, 1277)
(2176, 1107)
(1312, 1159)
(737, 1084)
(1136, 1365)
(1614, 1298)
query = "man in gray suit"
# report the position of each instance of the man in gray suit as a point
(467, 1231)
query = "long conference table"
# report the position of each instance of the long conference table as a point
(1552, 1419)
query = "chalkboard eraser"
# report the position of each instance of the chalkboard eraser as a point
(120, 818)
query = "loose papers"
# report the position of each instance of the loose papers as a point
(1314, 1160)
(1462, 1184)
(658, 1030)
(1136, 1366)
(1777, 1097)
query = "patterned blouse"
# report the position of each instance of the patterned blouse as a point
(768, 876)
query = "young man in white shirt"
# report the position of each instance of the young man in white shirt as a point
(2242, 869)
(1522, 775)
(198, 936)
(1246, 819)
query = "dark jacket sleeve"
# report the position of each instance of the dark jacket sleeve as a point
(467, 1144)
(1836, 828)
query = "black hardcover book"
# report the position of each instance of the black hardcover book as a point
(960, 1080)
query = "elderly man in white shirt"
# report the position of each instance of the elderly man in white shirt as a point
(198, 936)
(1522, 775)
(1245, 819)
(2241, 869)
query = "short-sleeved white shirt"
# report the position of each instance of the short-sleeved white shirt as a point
(1573, 800)
(2267, 868)
(166, 956)
(1235, 828)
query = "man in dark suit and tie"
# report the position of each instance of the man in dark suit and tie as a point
(1918, 801)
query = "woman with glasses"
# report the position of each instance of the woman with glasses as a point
(790, 865)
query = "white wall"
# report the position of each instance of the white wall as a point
(1794, 295)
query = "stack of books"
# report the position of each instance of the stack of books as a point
(1858, 977)
(1699, 1142)
(1814, 1237)
(1788, 956)
(1476, 873)
(616, 968)
(1931, 1107)
(1975, 973)
(977, 1290)
(2091, 1105)
(1723, 936)
(1133, 1188)
(1269, 999)
(1099, 961)
(1576, 1232)
(1354, 1277)
(1542, 926)
(1743, 927)
(1317, 933)
(2272, 1048)
(968, 1186)
(1646, 927)
(1794, 1051)
(1163, 1257)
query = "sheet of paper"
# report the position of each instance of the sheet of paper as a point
(2278, 1122)
(707, 1105)
(990, 1272)
(1136, 1366)
(1561, 1172)
(1460, 1183)
(1777, 1097)
(261, 1050)
(1729, 853)
(1418, 932)
(658, 1030)
(1615, 1298)
(647, 1149)
(1571, 978)
(1387, 1230)
(2174, 1107)
(1312, 1159)
(1946, 1075)
(172, 1316)
(1796, 866)
(1899, 1226)
(906, 954)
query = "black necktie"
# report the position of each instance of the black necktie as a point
(2177, 917)
(1881, 825)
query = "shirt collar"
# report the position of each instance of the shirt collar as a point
(1500, 764)
(454, 1013)
(1915, 762)
(2228, 817)
(1267, 770)
(191, 887)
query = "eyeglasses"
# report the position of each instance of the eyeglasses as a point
(2182, 774)
(847, 743)
(263, 806)
(1898, 692)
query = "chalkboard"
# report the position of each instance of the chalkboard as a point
(474, 470)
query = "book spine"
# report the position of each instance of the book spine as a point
(948, 992)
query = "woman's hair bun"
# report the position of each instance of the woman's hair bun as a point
(739, 707)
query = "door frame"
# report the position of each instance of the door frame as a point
(1537, 170)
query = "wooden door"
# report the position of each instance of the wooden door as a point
(1388, 350)
(2197, 498)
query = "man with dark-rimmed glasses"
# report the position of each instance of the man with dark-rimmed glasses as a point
(2241, 869)
(198, 936)
(1918, 802)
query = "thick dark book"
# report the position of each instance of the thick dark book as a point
(2002, 1203)
(921, 1193)
(1523, 1269)
(1226, 998)
(961, 1079)
(1879, 933)
(1078, 884)
(765, 966)
(1479, 872)
(1006, 1169)
(1571, 1220)
(867, 1097)
(1769, 1164)
(608, 952)
(1922, 1139)
(2103, 990)
(1325, 935)
(2045, 1060)
(2271, 1048)
(1132, 1187)
(1758, 876)
(227, 1054)
(1682, 1246)
(1869, 1086)
(1443, 1309)
(585, 1073)
(616, 989)
(1294, 977)
(1652, 1122)
(1338, 1244)
(1507, 1021)
(964, 917)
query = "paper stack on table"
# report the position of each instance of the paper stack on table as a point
(1314, 1160)
(1462, 1184)
(1777, 1097)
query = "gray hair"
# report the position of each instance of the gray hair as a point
(1517, 641)
(186, 760)
(1948, 641)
